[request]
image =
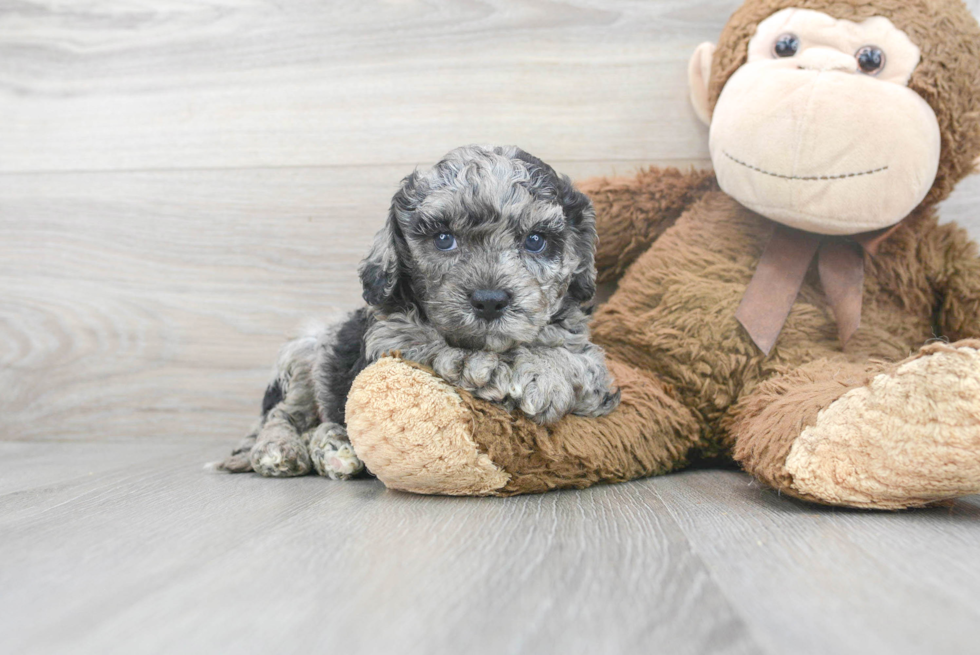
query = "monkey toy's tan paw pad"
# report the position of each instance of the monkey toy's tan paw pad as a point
(908, 438)
(284, 456)
(332, 454)
(414, 433)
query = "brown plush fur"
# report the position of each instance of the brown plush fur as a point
(647, 205)
(578, 452)
(674, 315)
(767, 422)
(693, 381)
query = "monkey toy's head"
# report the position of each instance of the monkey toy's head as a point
(841, 118)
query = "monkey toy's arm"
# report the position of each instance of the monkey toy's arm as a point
(957, 281)
(632, 212)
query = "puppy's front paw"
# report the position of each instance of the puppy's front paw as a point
(280, 453)
(480, 372)
(449, 364)
(332, 454)
(486, 376)
(478, 368)
(598, 403)
(543, 395)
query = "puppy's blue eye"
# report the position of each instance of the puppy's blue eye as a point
(445, 241)
(535, 243)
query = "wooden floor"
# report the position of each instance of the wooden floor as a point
(184, 183)
(130, 547)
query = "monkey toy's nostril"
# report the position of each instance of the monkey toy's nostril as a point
(489, 304)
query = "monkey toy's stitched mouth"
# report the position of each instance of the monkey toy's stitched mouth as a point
(814, 178)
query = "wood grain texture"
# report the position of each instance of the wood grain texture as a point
(824, 580)
(256, 83)
(154, 303)
(156, 556)
(129, 549)
(162, 84)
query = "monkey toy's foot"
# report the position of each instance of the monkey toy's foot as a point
(873, 436)
(909, 437)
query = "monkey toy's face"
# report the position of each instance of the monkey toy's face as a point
(818, 130)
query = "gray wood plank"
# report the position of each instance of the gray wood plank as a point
(822, 580)
(169, 558)
(30, 465)
(154, 304)
(173, 84)
(157, 555)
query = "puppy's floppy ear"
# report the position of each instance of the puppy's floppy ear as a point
(382, 270)
(580, 215)
(379, 270)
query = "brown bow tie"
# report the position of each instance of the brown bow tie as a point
(779, 277)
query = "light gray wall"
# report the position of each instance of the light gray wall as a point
(182, 184)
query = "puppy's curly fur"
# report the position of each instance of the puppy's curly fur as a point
(494, 221)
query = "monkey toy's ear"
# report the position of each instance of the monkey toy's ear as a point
(381, 270)
(699, 77)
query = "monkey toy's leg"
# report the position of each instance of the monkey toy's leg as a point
(417, 433)
(885, 436)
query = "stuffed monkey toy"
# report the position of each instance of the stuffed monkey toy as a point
(799, 308)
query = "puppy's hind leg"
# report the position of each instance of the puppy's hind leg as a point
(279, 451)
(240, 459)
(332, 453)
(340, 357)
(280, 448)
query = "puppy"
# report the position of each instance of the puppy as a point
(485, 272)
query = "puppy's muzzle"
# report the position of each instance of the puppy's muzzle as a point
(489, 304)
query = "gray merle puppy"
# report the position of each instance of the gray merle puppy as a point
(484, 271)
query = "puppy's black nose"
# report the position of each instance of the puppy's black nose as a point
(489, 304)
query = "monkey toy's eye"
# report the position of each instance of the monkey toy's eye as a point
(535, 243)
(871, 59)
(445, 241)
(786, 46)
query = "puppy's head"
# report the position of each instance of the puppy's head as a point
(489, 245)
